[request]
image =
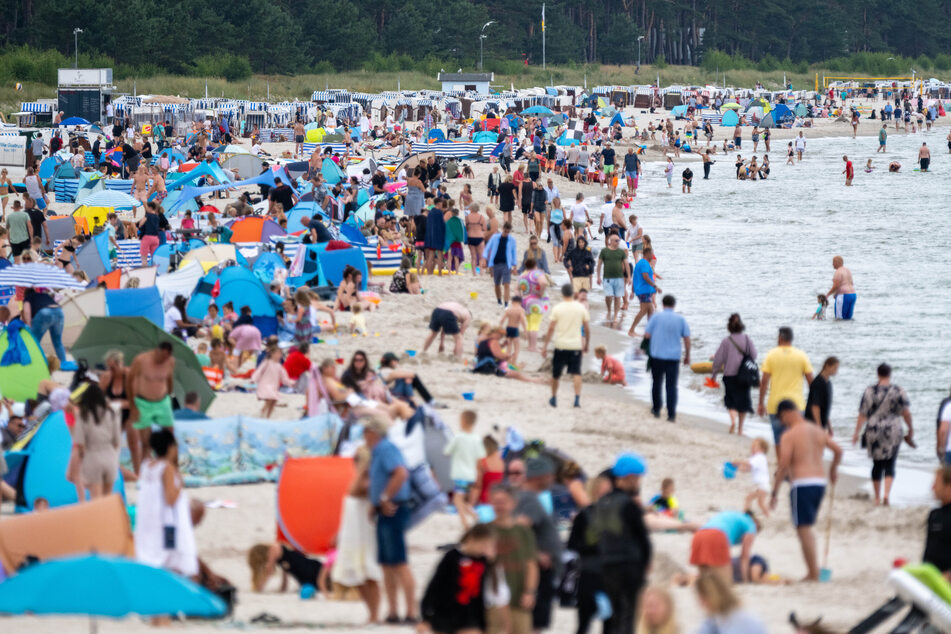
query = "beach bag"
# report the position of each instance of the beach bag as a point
(748, 373)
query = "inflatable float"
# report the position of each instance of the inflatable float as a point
(702, 367)
(922, 588)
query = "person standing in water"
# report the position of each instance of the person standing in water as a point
(924, 157)
(849, 171)
(842, 289)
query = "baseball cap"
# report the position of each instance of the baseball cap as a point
(629, 464)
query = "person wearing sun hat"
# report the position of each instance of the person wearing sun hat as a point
(616, 526)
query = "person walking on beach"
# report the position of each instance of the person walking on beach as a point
(569, 331)
(500, 253)
(665, 331)
(613, 262)
(843, 289)
(800, 460)
(849, 171)
(819, 401)
(881, 411)
(882, 138)
(734, 348)
(632, 165)
(784, 369)
(517, 557)
(938, 538)
(924, 157)
(644, 288)
(390, 496)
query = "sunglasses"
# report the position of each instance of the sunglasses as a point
(515, 473)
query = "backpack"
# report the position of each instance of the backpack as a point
(748, 373)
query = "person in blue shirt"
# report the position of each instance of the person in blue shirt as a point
(710, 547)
(644, 288)
(192, 409)
(665, 330)
(500, 253)
(390, 496)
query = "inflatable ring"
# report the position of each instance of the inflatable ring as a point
(702, 367)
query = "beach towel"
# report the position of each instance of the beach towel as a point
(435, 230)
(16, 352)
(455, 232)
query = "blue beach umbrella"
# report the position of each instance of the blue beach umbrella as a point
(538, 110)
(96, 585)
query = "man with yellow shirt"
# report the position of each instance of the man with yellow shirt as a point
(784, 370)
(569, 331)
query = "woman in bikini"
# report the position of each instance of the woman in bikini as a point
(6, 190)
(475, 235)
(113, 382)
(66, 253)
(465, 196)
(348, 293)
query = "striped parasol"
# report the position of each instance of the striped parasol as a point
(37, 275)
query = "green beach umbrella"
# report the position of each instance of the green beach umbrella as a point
(133, 335)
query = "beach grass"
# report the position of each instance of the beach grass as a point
(300, 87)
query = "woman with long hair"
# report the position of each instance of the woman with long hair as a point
(96, 437)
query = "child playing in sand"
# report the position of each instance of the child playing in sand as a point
(758, 466)
(665, 502)
(265, 558)
(466, 450)
(358, 322)
(612, 370)
(269, 377)
(820, 313)
(513, 318)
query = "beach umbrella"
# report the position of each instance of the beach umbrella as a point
(74, 121)
(538, 110)
(731, 106)
(38, 275)
(133, 335)
(97, 585)
(231, 149)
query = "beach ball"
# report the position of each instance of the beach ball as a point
(18, 86)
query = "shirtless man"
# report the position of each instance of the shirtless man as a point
(158, 185)
(140, 184)
(924, 157)
(149, 385)
(449, 318)
(800, 459)
(298, 138)
(842, 289)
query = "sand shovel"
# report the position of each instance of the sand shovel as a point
(825, 573)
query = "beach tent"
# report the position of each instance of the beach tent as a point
(89, 183)
(136, 302)
(162, 257)
(211, 255)
(177, 202)
(755, 113)
(255, 229)
(332, 264)
(22, 363)
(203, 169)
(315, 134)
(133, 335)
(244, 165)
(65, 171)
(332, 172)
(435, 135)
(352, 235)
(94, 208)
(48, 166)
(100, 526)
(266, 265)
(363, 213)
(679, 111)
(730, 119)
(767, 121)
(144, 275)
(39, 463)
(301, 210)
(802, 110)
(238, 285)
(617, 119)
(60, 227)
(485, 137)
(77, 310)
(312, 483)
(180, 282)
(93, 256)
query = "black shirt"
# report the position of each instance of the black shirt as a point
(36, 219)
(507, 196)
(378, 181)
(38, 301)
(432, 171)
(687, 174)
(820, 394)
(323, 234)
(630, 162)
(454, 598)
(282, 194)
(128, 152)
(500, 252)
(938, 540)
(608, 155)
(304, 569)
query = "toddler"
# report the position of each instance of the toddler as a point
(358, 322)
(758, 466)
(820, 313)
(513, 318)
(665, 502)
(612, 370)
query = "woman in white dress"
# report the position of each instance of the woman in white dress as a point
(164, 536)
(356, 563)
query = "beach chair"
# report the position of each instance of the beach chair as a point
(921, 589)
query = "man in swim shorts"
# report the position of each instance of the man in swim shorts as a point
(149, 386)
(843, 290)
(924, 157)
(800, 459)
(449, 318)
(299, 138)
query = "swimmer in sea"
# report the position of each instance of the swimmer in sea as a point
(894, 166)
(924, 157)
(868, 166)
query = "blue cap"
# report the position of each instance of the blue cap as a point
(629, 464)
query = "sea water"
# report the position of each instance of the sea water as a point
(764, 249)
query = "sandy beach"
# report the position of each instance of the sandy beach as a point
(865, 540)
